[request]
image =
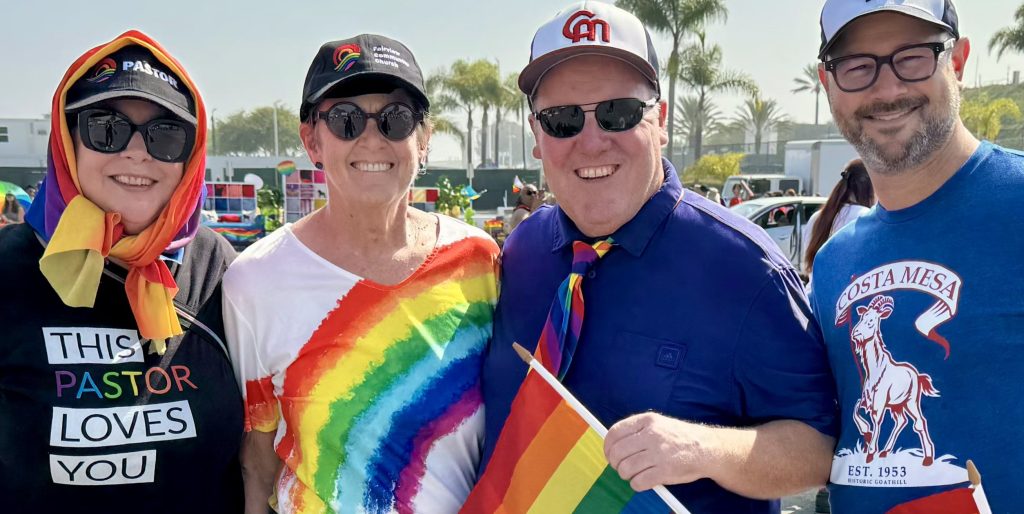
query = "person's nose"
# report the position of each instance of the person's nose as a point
(136, 148)
(888, 86)
(593, 139)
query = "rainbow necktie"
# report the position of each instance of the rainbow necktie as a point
(561, 332)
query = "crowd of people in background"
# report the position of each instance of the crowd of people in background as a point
(13, 211)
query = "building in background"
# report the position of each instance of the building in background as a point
(23, 150)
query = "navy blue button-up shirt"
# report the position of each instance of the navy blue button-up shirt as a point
(695, 314)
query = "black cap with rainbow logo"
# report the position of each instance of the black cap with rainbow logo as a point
(133, 72)
(367, 63)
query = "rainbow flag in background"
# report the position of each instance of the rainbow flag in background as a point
(517, 185)
(286, 168)
(550, 460)
(237, 235)
(471, 193)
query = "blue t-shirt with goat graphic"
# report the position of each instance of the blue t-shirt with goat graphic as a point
(923, 314)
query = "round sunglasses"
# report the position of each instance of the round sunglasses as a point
(109, 131)
(346, 120)
(616, 115)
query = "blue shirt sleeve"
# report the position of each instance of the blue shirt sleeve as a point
(781, 365)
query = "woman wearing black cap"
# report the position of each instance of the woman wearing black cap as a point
(116, 392)
(358, 332)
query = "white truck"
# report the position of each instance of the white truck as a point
(819, 163)
(761, 184)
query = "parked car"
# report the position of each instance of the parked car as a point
(783, 218)
(761, 184)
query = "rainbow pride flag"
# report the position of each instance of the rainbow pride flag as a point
(286, 168)
(238, 235)
(550, 460)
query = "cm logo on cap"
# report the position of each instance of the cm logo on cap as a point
(582, 24)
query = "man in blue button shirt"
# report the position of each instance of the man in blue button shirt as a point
(697, 342)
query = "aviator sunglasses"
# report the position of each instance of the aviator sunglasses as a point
(395, 121)
(109, 131)
(616, 115)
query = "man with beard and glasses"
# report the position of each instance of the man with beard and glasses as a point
(921, 300)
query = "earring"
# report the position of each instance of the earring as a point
(423, 168)
(319, 165)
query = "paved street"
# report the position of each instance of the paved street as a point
(800, 504)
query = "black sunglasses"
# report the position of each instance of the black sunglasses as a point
(396, 121)
(912, 63)
(109, 131)
(616, 115)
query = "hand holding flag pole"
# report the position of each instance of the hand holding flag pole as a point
(587, 416)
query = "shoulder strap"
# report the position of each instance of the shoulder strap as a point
(189, 318)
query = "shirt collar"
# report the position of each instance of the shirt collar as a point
(637, 232)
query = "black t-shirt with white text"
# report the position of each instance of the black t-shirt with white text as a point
(92, 418)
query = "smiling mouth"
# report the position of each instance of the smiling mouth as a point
(132, 181)
(596, 172)
(372, 167)
(892, 115)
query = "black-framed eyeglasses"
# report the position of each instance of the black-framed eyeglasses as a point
(346, 120)
(109, 131)
(616, 115)
(912, 63)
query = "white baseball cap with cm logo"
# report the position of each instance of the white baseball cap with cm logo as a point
(590, 28)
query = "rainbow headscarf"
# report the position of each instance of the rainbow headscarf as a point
(81, 236)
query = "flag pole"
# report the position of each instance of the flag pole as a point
(980, 500)
(591, 420)
(972, 473)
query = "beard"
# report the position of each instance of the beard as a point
(938, 122)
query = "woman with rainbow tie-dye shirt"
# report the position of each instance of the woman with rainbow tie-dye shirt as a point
(358, 332)
(116, 391)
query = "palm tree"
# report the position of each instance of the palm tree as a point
(1009, 38)
(442, 103)
(676, 19)
(701, 70)
(759, 116)
(509, 99)
(808, 81)
(985, 117)
(490, 95)
(692, 115)
(464, 86)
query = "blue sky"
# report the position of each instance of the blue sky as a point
(248, 54)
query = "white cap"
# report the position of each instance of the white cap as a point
(593, 28)
(837, 14)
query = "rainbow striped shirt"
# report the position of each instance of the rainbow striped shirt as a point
(373, 391)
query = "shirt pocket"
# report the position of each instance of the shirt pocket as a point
(639, 375)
